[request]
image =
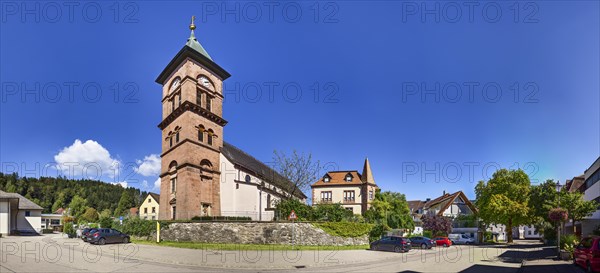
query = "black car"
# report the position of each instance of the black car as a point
(392, 243)
(86, 232)
(422, 242)
(108, 235)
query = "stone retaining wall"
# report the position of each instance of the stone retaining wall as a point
(255, 233)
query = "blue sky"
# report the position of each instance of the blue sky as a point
(387, 75)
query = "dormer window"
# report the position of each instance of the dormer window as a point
(326, 178)
(348, 178)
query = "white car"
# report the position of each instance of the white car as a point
(461, 239)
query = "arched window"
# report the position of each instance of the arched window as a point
(179, 99)
(210, 136)
(247, 178)
(201, 133)
(177, 129)
(170, 138)
(205, 163)
(268, 201)
(173, 171)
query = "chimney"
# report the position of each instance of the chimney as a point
(428, 199)
(444, 192)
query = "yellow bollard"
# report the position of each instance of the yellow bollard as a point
(157, 231)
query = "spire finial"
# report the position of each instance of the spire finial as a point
(192, 25)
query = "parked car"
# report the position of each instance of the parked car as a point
(442, 241)
(587, 254)
(392, 243)
(86, 232)
(108, 235)
(422, 242)
(460, 239)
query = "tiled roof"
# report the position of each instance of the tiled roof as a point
(339, 178)
(24, 203)
(444, 201)
(260, 170)
(415, 205)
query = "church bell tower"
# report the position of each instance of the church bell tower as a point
(192, 133)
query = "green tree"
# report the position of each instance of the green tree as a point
(126, 202)
(542, 198)
(391, 210)
(284, 207)
(576, 207)
(90, 215)
(77, 206)
(106, 213)
(504, 199)
(331, 213)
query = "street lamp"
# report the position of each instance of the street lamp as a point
(558, 223)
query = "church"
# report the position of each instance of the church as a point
(201, 174)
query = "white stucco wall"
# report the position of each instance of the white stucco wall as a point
(32, 222)
(4, 217)
(243, 199)
(148, 206)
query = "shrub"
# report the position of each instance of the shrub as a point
(569, 239)
(345, 229)
(330, 213)
(221, 218)
(106, 222)
(47, 231)
(427, 233)
(136, 226)
(284, 207)
(549, 233)
(376, 232)
(69, 229)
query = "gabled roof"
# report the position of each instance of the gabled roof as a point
(338, 178)
(155, 196)
(575, 183)
(415, 205)
(24, 203)
(445, 201)
(259, 169)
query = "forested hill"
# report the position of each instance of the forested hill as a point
(55, 192)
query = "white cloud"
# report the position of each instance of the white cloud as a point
(150, 166)
(144, 184)
(122, 184)
(157, 184)
(87, 159)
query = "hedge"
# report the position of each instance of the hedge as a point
(345, 229)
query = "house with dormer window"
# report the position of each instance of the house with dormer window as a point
(353, 190)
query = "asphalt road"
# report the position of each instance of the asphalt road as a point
(56, 254)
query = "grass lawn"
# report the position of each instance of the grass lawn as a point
(192, 245)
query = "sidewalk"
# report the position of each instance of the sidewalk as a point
(549, 266)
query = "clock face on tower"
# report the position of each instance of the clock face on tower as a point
(205, 82)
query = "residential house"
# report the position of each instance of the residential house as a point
(355, 191)
(19, 214)
(149, 207)
(591, 189)
(201, 174)
(450, 205)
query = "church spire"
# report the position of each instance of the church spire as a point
(193, 42)
(367, 174)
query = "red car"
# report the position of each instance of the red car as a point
(587, 254)
(442, 241)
